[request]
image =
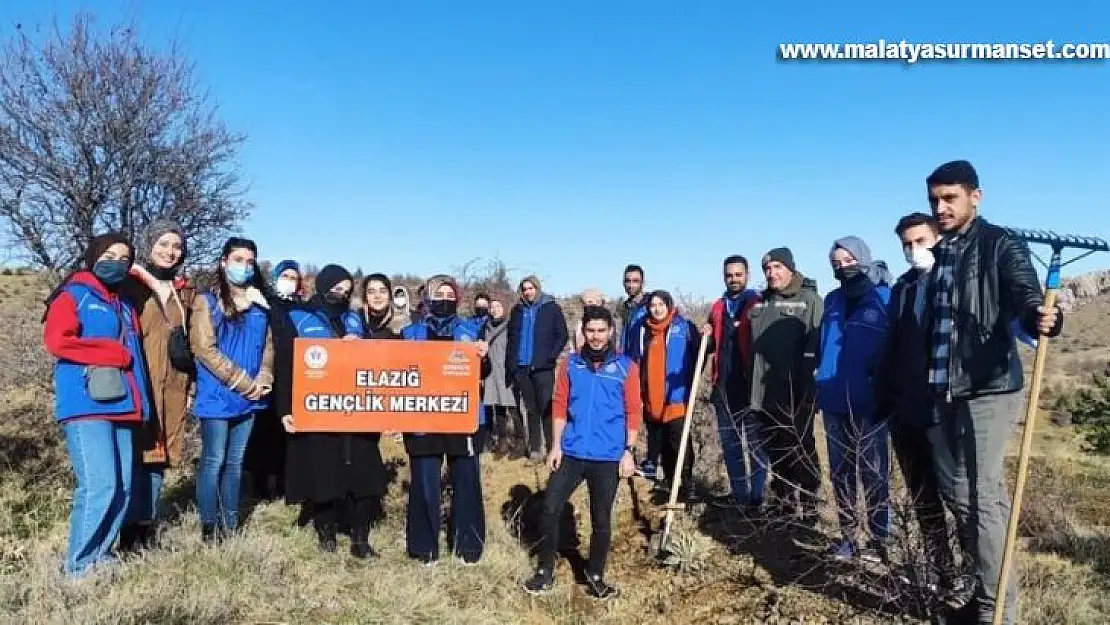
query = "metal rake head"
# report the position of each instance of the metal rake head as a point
(1060, 241)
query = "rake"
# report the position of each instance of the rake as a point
(1058, 243)
(659, 543)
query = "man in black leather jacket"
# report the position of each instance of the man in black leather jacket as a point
(982, 279)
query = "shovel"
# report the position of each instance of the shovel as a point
(660, 545)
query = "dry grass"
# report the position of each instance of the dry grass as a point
(273, 573)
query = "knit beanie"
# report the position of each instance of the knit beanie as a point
(782, 255)
(282, 266)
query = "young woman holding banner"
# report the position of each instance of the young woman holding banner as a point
(340, 474)
(467, 533)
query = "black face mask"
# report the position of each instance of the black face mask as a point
(848, 273)
(481, 311)
(335, 299)
(443, 307)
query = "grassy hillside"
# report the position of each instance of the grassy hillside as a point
(732, 570)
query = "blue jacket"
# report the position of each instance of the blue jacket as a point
(461, 330)
(313, 323)
(630, 331)
(683, 339)
(597, 423)
(852, 350)
(537, 336)
(101, 318)
(244, 343)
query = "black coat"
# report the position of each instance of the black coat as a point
(325, 466)
(266, 448)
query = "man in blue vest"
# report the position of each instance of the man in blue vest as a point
(597, 414)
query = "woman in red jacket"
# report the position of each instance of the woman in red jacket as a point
(100, 389)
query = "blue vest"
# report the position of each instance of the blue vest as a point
(852, 348)
(243, 342)
(101, 319)
(463, 330)
(314, 324)
(597, 427)
(631, 331)
(680, 360)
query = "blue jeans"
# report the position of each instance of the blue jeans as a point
(146, 490)
(102, 457)
(746, 467)
(223, 442)
(859, 451)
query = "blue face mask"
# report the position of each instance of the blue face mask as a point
(239, 274)
(111, 271)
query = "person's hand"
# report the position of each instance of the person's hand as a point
(707, 329)
(483, 348)
(627, 466)
(351, 337)
(1046, 322)
(287, 423)
(254, 393)
(555, 458)
(264, 390)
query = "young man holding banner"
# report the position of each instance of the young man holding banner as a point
(441, 322)
(596, 414)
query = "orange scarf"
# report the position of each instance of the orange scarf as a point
(656, 372)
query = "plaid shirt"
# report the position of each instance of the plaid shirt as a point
(943, 283)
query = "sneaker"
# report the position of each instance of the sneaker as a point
(540, 583)
(598, 589)
(647, 470)
(842, 551)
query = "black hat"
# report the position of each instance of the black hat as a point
(330, 276)
(782, 255)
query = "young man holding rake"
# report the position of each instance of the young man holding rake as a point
(596, 415)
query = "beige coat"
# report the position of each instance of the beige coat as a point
(162, 307)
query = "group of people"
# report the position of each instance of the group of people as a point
(926, 362)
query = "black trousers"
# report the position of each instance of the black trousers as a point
(792, 448)
(355, 512)
(670, 437)
(602, 479)
(536, 389)
(656, 432)
(915, 456)
(468, 516)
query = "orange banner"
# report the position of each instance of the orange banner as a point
(385, 385)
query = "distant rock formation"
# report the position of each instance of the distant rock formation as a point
(1081, 289)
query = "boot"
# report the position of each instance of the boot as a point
(147, 536)
(128, 538)
(360, 543)
(325, 533)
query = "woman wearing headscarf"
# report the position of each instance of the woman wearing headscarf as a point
(467, 533)
(230, 334)
(500, 401)
(854, 330)
(665, 345)
(100, 394)
(589, 297)
(340, 475)
(265, 456)
(381, 317)
(162, 299)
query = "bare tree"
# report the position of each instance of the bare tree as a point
(100, 132)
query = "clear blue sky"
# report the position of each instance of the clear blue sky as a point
(571, 137)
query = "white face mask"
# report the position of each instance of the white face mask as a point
(285, 287)
(920, 258)
(400, 302)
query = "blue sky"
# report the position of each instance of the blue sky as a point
(569, 138)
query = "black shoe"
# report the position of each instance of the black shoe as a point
(129, 538)
(598, 589)
(725, 502)
(209, 535)
(540, 583)
(363, 551)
